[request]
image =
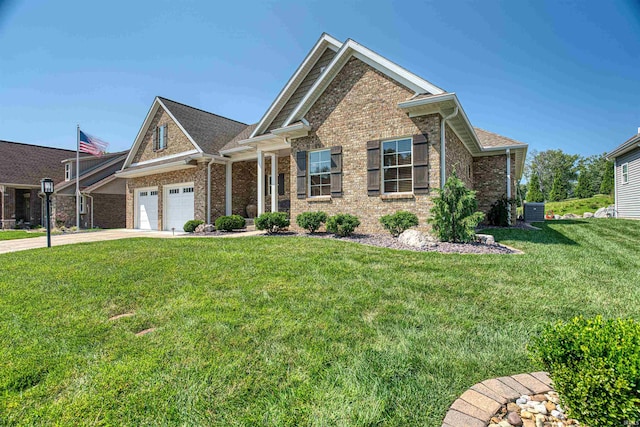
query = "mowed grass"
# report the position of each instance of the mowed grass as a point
(273, 331)
(579, 206)
(19, 234)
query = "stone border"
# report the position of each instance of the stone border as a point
(476, 406)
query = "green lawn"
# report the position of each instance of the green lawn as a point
(289, 331)
(579, 206)
(18, 234)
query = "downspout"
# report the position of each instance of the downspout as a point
(443, 168)
(509, 186)
(209, 191)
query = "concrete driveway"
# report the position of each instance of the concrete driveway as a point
(71, 238)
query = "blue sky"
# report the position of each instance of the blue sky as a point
(553, 74)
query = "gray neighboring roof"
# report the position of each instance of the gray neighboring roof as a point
(625, 146)
(27, 164)
(490, 139)
(244, 134)
(210, 131)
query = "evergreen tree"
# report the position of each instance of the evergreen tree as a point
(607, 179)
(534, 194)
(583, 188)
(454, 212)
(558, 189)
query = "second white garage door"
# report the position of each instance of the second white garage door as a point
(178, 205)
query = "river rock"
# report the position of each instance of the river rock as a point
(550, 406)
(587, 215)
(416, 239)
(540, 420)
(487, 239)
(570, 216)
(514, 419)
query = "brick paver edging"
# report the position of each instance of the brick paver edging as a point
(476, 406)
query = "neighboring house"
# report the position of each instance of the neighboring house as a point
(22, 166)
(626, 159)
(102, 202)
(350, 132)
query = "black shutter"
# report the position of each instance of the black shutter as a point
(336, 171)
(281, 184)
(301, 175)
(373, 168)
(420, 164)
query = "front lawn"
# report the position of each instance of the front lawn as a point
(289, 331)
(19, 234)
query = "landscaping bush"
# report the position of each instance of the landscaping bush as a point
(230, 223)
(454, 212)
(595, 368)
(342, 224)
(311, 221)
(399, 222)
(191, 225)
(498, 214)
(273, 222)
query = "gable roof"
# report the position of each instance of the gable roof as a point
(626, 146)
(25, 164)
(208, 132)
(350, 49)
(234, 145)
(490, 139)
(107, 167)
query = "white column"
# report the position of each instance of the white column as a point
(274, 182)
(260, 182)
(228, 189)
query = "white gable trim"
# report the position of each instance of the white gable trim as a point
(163, 158)
(351, 48)
(157, 103)
(325, 41)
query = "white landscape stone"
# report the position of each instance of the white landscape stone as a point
(416, 239)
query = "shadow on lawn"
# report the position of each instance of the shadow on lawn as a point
(546, 235)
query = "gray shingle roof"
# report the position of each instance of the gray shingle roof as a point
(490, 139)
(244, 134)
(210, 131)
(27, 164)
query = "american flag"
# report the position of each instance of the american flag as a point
(92, 145)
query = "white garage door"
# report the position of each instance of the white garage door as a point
(147, 212)
(178, 205)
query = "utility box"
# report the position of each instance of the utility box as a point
(534, 212)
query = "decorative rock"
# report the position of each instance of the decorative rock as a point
(526, 415)
(512, 407)
(199, 229)
(587, 215)
(514, 419)
(209, 228)
(528, 423)
(570, 216)
(487, 239)
(415, 239)
(550, 406)
(541, 409)
(522, 400)
(555, 413)
(504, 424)
(557, 217)
(539, 398)
(540, 420)
(607, 212)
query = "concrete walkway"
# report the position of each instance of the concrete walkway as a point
(99, 236)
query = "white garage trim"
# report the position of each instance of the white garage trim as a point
(174, 216)
(153, 221)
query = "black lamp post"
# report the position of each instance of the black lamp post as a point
(46, 185)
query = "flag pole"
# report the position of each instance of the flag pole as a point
(78, 178)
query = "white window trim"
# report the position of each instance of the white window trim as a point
(67, 172)
(269, 183)
(83, 204)
(382, 167)
(309, 174)
(625, 175)
(159, 139)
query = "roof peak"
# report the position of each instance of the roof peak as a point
(199, 109)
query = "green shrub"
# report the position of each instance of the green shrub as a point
(311, 221)
(399, 222)
(595, 368)
(230, 223)
(342, 224)
(273, 222)
(454, 212)
(498, 214)
(191, 225)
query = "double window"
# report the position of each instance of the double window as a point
(160, 138)
(625, 173)
(397, 176)
(320, 173)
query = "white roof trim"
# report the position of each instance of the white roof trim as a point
(161, 159)
(352, 48)
(150, 170)
(236, 149)
(325, 41)
(625, 147)
(145, 127)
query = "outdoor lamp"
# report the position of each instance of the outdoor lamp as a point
(46, 185)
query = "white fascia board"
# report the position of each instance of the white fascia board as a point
(150, 170)
(163, 158)
(489, 151)
(236, 150)
(325, 41)
(258, 139)
(426, 101)
(143, 130)
(180, 126)
(624, 148)
(352, 48)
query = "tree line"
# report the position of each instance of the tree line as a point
(554, 175)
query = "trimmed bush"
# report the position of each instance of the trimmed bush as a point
(498, 214)
(454, 212)
(273, 222)
(595, 368)
(311, 221)
(191, 225)
(399, 222)
(342, 224)
(230, 223)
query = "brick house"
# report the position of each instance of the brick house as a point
(22, 166)
(350, 132)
